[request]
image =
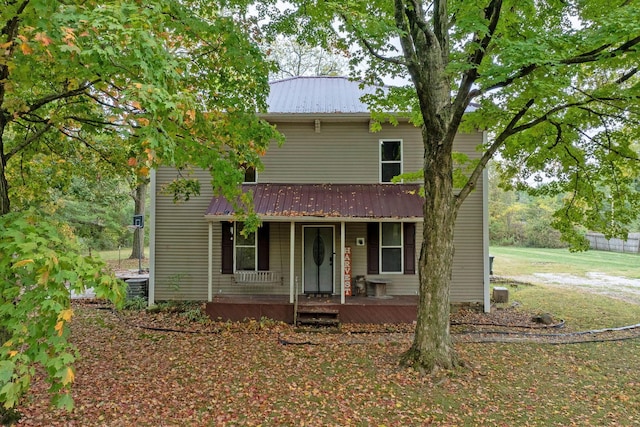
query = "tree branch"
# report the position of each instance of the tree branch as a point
(55, 97)
(627, 75)
(407, 45)
(28, 141)
(373, 52)
(463, 98)
(86, 143)
(583, 58)
(489, 153)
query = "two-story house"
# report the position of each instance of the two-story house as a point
(333, 224)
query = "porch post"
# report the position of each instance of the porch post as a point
(342, 234)
(292, 270)
(210, 264)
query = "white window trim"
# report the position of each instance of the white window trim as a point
(235, 246)
(381, 246)
(381, 162)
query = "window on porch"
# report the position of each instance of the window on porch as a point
(246, 249)
(240, 253)
(391, 247)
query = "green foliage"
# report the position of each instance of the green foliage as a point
(97, 211)
(123, 87)
(196, 315)
(39, 266)
(92, 92)
(135, 303)
(556, 85)
(516, 218)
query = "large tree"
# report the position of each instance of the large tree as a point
(88, 84)
(552, 81)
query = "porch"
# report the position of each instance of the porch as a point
(355, 309)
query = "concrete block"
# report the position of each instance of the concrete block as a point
(500, 294)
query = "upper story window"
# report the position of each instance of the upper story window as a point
(250, 175)
(246, 250)
(390, 159)
(391, 247)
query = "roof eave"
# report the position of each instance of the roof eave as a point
(311, 218)
(303, 117)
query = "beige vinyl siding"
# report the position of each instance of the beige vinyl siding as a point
(181, 242)
(341, 153)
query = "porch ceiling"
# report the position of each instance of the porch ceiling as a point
(344, 202)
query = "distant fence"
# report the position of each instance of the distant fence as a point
(598, 242)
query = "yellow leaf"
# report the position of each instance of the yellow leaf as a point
(44, 278)
(12, 353)
(68, 377)
(25, 48)
(66, 314)
(136, 105)
(22, 263)
(143, 171)
(6, 45)
(59, 327)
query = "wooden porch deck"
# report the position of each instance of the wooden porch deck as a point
(357, 309)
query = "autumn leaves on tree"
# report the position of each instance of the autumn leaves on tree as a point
(98, 89)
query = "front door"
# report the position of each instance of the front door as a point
(318, 260)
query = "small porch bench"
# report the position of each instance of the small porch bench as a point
(266, 277)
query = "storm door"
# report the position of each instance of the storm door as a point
(318, 260)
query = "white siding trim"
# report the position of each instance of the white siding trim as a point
(152, 240)
(292, 266)
(485, 233)
(342, 234)
(210, 265)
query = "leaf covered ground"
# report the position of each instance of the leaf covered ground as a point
(144, 369)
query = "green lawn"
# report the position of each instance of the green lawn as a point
(581, 310)
(120, 259)
(512, 261)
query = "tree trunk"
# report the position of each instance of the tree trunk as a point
(140, 198)
(432, 347)
(4, 187)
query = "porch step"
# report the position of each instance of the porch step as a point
(317, 316)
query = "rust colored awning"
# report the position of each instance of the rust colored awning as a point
(332, 201)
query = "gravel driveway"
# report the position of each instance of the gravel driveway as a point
(598, 283)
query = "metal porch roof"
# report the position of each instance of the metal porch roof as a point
(338, 201)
